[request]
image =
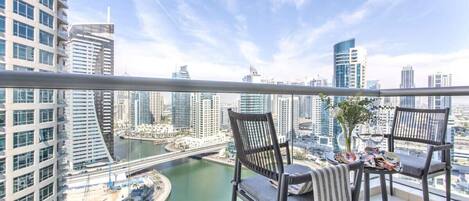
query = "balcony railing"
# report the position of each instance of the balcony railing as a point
(41, 80)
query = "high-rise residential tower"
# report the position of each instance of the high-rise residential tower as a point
(254, 103)
(407, 81)
(140, 108)
(205, 114)
(156, 107)
(350, 65)
(32, 38)
(436, 81)
(180, 103)
(285, 117)
(320, 116)
(91, 50)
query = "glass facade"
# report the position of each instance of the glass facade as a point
(22, 68)
(23, 52)
(46, 115)
(46, 57)
(46, 191)
(46, 172)
(23, 160)
(2, 118)
(46, 38)
(46, 153)
(22, 182)
(47, 3)
(46, 134)
(24, 9)
(46, 19)
(24, 138)
(23, 30)
(2, 48)
(23, 96)
(46, 96)
(29, 197)
(22, 117)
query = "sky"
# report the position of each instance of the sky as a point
(286, 40)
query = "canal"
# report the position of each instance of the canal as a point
(191, 179)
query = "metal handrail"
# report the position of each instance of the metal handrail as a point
(46, 80)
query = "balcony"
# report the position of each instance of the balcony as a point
(62, 35)
(140, 140)
(63, 3)
(61, 51)
(62, 17)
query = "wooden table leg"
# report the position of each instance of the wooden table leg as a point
(367, 186)
(384, 192)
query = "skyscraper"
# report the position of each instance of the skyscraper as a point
(156, 107)
(180, 103)
(407, 81)
(350, 65)
(205, 114)
(140, 108)
(320, 116)
(33, 34)
(436, 81)
(285, 117)
(254, 103)
(91, 50)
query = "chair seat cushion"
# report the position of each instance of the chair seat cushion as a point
(414, 166)
(259, 188)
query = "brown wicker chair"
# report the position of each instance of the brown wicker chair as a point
(258, 150)
(427, 126)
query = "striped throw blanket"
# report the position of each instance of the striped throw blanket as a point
(331, 184)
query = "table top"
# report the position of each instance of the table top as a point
(371, 170)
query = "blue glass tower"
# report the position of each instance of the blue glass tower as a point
(181, 103)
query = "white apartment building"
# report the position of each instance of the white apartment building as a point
(156, 106)
(32, 37)
(89, 113)
(205, 114)
(284, 116)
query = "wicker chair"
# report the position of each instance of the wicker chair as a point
(427, 126)
(258, 150)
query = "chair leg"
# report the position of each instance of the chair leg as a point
(234, 194)
(448, 184)
(426, 196)
(391, 189)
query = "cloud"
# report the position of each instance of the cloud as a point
(276, 4)
(455, 63)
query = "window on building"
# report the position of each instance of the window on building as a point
(46, 38)
(46, 134)
(2, 190)
(46, 115)
(23, 182)
(2, 23)
(46, 96)
(23, 160)
(2, 48)
(2, 166)
(46, 172)
(24, 138)
(46, 19)
(2, 118)
(22, 68)
(46, 153)
(2, 95)
(23, 8)
(22, 117)
(46, 57)
(23, 30)
(23, 52)
(2, 66)
(2, 143)
(2, 4)
(23, 96)
(29, 197)
(47, 3)
(46, 191)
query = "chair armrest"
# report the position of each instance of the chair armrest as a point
(446, 146)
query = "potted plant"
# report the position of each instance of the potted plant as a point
(350, 112)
